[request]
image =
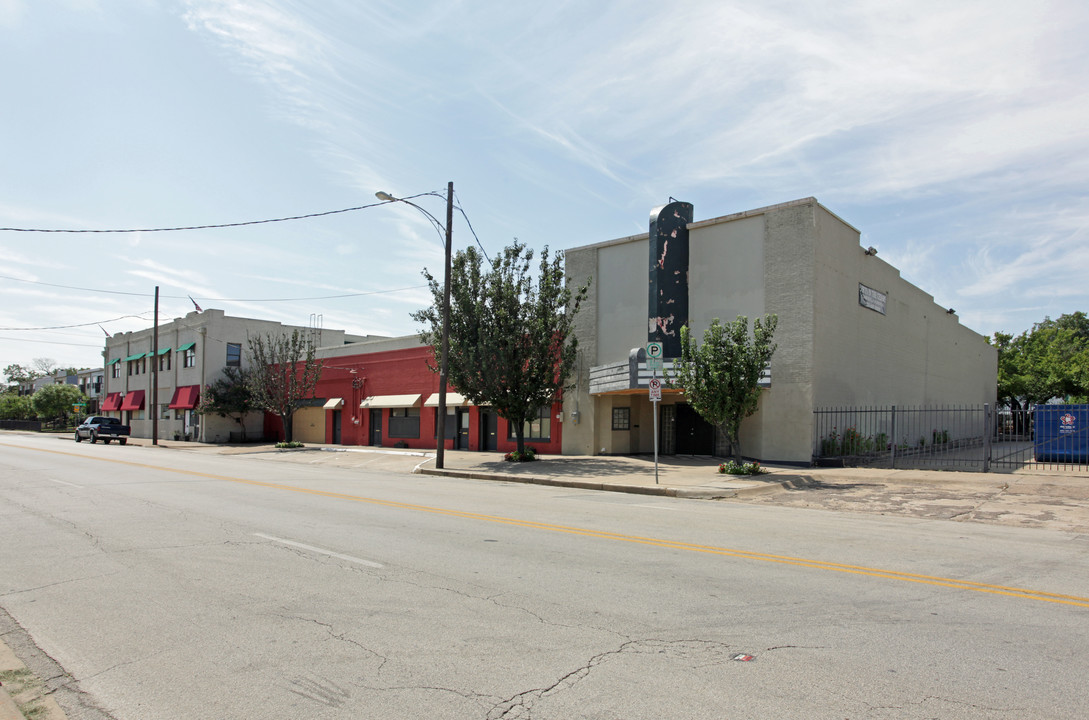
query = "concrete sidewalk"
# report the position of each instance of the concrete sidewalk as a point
(1040, 496)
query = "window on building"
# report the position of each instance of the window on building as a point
(538, 427)
(164, 361)
(621, 418)
(451, 427)
(190, 358)
(404, 422)
(164, 411)
(116, 372)
(234, 354)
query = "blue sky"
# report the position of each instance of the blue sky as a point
(954, 134)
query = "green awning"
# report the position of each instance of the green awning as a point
(137, 356)
(113, 362)
(188, 346)
(162, 351)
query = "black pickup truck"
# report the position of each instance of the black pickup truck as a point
(97, 428)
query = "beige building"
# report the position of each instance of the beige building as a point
(850, 331)
(192, 352)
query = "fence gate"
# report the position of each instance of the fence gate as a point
(964, 437)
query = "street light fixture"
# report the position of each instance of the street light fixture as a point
(440, 445)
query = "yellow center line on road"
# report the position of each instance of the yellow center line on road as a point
(607, 535)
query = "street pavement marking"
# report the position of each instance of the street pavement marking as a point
(937, 581)
(320, 551)
(62, 482)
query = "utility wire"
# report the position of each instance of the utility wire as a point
(186, 297)
(206, 227)
(434, 221)
(462, 211)
(50, 342)
(65, 327)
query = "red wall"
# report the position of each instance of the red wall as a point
(400, 372)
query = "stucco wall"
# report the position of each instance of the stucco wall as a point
(915, 354)
(211, 330)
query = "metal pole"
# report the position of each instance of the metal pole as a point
(155, 375)
(893, 423)
(444, 360)
(988, 430)
(655, 405)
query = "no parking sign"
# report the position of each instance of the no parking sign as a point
(655, 389)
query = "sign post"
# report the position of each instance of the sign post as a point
(654, 364)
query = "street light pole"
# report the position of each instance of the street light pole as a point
(444, 360)
(444, 366)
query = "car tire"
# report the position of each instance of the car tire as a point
(78, 438)
(94, 437)
(106, 441)
(122, 440)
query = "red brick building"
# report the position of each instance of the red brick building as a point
(382, 393)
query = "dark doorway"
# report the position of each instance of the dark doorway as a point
(695, 436)
(336, 427)
(376, 427)
(489, 431)
(462, 442)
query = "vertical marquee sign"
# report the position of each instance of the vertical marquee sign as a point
(668, 296)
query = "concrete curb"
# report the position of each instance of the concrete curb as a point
(702, 492)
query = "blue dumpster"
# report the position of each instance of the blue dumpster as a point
(1062, 433)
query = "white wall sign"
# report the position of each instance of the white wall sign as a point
(872, 299)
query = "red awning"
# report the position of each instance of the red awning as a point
(112, 402)
(185, 397)
(133, 401)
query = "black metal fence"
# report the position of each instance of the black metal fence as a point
(35, 425)
(966, 437)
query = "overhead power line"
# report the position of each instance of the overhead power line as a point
(197, 227)
(185, 297)
(87, 324)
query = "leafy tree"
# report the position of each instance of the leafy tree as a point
(18, 374)
(16, 407)
(230, 396)
(511, 339)
(55, 401)
(1049, 361)
(283, 373)
(720, 378)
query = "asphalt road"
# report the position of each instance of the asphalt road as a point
(145, 583)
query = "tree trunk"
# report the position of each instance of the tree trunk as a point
(520, 436)
(286, 419)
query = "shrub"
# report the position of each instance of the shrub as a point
(830, 444)
(527, 456)
(732, 468)
(289, 445)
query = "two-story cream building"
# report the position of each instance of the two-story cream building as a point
(192, 353)
(850, 332)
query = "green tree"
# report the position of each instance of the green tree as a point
(1049, 361)
(230, 396)
(16, 407)
(721, 377)
(18, 374)
(54, 402)
(511, 340)
(283, 373)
